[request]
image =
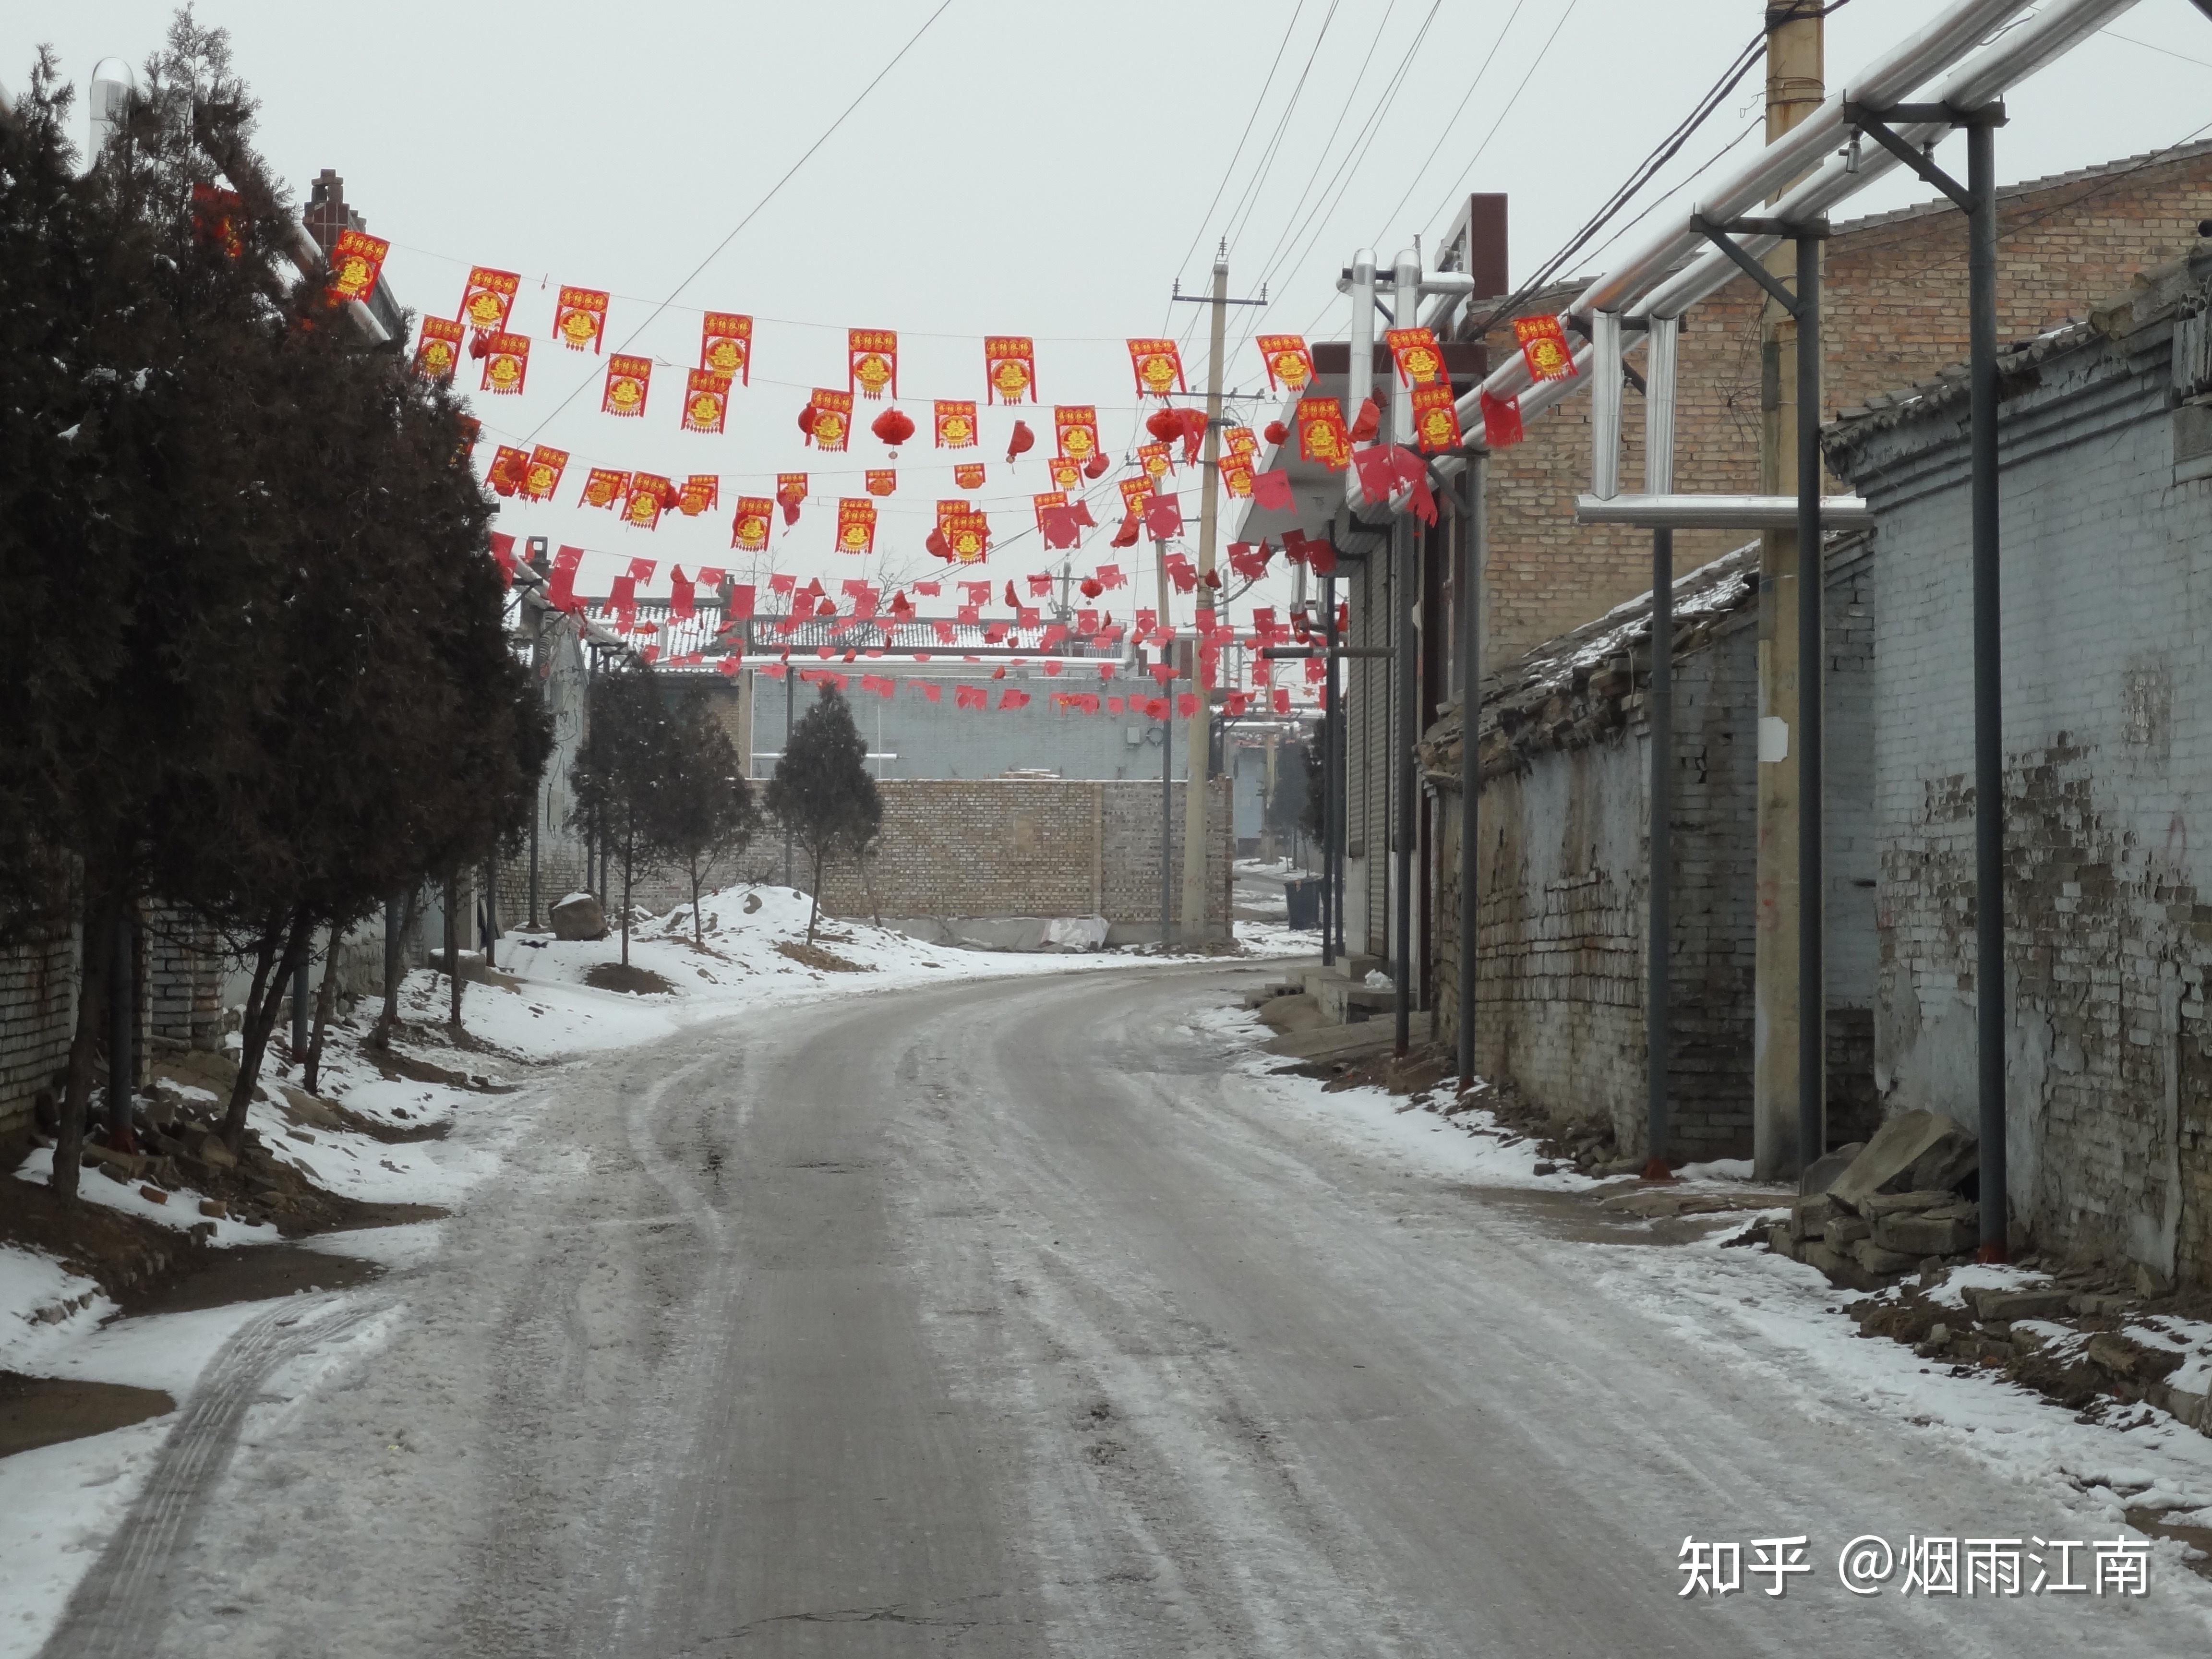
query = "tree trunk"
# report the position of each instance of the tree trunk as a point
(630, 852)
(399, 917)
(454, 950)
(814, 909)
(326, 995)
(283, 949)
(96, 920)
(698, 937)
(868, 883)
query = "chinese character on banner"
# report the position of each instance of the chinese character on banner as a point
(749, 530)
(1155, 460)
(627, 381)
(790, 491)
(580, 318)
(969, 536)
(1067, 472)
(1240, 440)
(439, 351)
(968, 474)
(832, 421)
(1323, 436)
(955, 423)
(1436, 417)
(1049, 498)
(1076, 426)
(650, 496)
(705, 400)
(487, 299)
(507, 366)
(354, 263)
(725, 345)
(1134, 492)
(1501, 421)
(1288, 360)
(856, 525)
(1544, 348)
(871, 361)
(701, 493)
(1421, 360)
(1158, 366)
(1237, 475)
(1010, 366)
(505, 473)
(543, 475)
(882, 480)
(604, 487)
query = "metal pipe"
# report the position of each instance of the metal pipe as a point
(1605, 404)
(1989, 693)
(1336, 781)
(1671, 512)
(1474, 537)
(1812, 663)
(1167, 759)
(1406, 282)
(1659, 930)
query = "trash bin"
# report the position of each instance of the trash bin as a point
(1303, 898)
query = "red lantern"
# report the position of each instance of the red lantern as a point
(1165, 424)
(1091, 587)
(937, 546)
(893, 427)
(1127, 535)
(480, 346)
(1022, 442)
(1368, 423)
(1095, 467)
(1275, 432)
(1211, 578)
(1193, 433)
(806, 420)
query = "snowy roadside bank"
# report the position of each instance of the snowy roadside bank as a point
(2137, 1471)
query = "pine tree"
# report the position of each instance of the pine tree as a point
(619, 765)
(821, 792)
(700, 810)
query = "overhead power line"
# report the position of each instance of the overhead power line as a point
(1227, 173)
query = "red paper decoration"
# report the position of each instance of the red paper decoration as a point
(1544, 348)
(580, 318)
(1022, 441)
(894, 427)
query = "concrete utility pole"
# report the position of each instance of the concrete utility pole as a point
(1795, 88)
(1199, 738)
(1167, 758)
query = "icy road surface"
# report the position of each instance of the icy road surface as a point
(1011, 1319)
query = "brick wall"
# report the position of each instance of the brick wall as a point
(38, 1017)
(182, 966)
(1894, 290)
(1009, 846)
(2107, 742)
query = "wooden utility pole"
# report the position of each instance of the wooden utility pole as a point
(1795, 88)
(1199, 738)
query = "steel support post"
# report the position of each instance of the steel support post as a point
(1659, 942)
(1473, 549)
(1407, 734)
(1329, 810)
(1812, 653)
(1988, 694)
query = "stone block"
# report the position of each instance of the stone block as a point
(1916, 1235)
(1874, 1259)
(1829, 1166)
(1896, 1147)
(1808, 1217)
(1846, 1230)
(579, 916)
(1993, 1302)
(1883, 1204)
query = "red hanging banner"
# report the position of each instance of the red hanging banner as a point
(604, 487)
(790, 489)
(1237, 475)
(968, 533)
(1155, 460)
(543, 475)
(650, 496)
(356, 262)
(1288, 360)
(1421, 360)
(1067, 472)
(1048, 499)
(955, 423)
(749, 530)
(832, 421)
(507, 365)
(1544, 348)
(1240, 440)
(1010, 366)
(1134, 492)
(701, 493)
(1076, 427)
(871, 361)
(1501, 421)
(1436, 417)
(1322, 435)
(580, 318)
(1158, 366)
(487, 299)
(628, 379)
(439, 351)
(856, 525)
(968, 474)
(725, 345)
(705, 400)
(505, 473)
(882, 480)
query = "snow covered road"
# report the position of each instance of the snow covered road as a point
(1012, 1318)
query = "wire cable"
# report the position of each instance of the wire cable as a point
(1236, 155)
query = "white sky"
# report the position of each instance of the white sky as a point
(1025, 169)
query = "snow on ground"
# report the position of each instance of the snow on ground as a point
(1784, 1319)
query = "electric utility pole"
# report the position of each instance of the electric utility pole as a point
(1198, 738)
(1793, 90)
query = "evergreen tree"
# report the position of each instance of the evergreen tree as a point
(700, 809)
(821, 792)
(619, 765)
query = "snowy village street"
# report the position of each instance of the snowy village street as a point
(1026, 1317)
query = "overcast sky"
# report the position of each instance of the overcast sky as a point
(1049, 171)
